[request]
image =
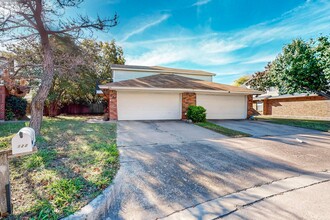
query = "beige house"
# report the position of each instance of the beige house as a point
(160, 93)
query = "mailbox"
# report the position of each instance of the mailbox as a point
(24, 141)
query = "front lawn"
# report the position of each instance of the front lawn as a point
(222, 130)
(303, 123)
(75, 161)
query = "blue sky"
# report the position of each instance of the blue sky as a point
(228, 37)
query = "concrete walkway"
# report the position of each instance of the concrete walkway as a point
(168, 167)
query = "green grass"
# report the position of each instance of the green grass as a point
(302, 123)
(222, 130)
(75, 161)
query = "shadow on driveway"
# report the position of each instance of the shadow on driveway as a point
(156, 180)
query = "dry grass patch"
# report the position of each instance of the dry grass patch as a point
(75, 162)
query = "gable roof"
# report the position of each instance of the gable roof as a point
(175, 82)
(160, 69)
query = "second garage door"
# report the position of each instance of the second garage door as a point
(148, 106)
(223, 107)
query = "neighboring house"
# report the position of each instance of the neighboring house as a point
(292, 106)
(160, 93)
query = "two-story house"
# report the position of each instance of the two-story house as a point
(161, 93)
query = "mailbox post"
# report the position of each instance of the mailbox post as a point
(4, 183)
(23, 143)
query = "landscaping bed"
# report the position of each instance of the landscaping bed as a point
(302, 123)
(75, 161)
(222, 130)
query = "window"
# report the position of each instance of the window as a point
(260, 106)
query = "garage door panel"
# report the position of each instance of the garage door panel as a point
(223, 107)
(148, 106)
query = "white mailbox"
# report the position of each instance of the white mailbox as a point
(24, 141)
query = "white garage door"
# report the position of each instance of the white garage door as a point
(148, 106)
(223, 107)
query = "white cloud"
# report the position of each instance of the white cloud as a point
(260, 58)
(201, 2)
(169, 53)
(145, 26)
(221, 46)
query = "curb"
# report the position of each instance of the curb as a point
(98, 207)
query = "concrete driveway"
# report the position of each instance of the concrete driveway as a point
(176, 170)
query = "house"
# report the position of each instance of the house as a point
(302, 105)
(161, 93)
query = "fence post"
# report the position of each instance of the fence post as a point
(5, 206)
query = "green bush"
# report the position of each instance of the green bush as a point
(196, 113)
(9, 115)
(15, 107)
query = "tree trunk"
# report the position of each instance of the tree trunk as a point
(38, 102)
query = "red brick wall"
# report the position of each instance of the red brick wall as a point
(188, 99)
(2, 102)
(250, 109)
(308, 107)
(113, 114)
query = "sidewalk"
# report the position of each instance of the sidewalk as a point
(300, 197)
(307, 203)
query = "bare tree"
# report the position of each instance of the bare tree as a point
(22, 20)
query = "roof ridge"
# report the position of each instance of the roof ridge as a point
(160, 68)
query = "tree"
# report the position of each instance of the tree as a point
(302, 67)
(261, 80)
(95, 70)
(322, 50)
(29, 20)
(240, 81)
(297, 69)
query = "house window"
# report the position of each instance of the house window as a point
(272, 89)
(260, 106)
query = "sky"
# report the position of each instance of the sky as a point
(231, 38)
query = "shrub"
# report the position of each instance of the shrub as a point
(9, 115)
(15, 107)
(196, 113)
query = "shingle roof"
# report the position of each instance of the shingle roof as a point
(161, 69)
(165, 81)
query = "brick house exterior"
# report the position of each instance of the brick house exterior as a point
(313, 107)
(188, 99)
(113, 114)
(250, 110)
(3, 94)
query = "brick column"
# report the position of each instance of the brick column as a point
(267, 108)
(250, 110)
(188, 99)
(2, 102)
(113, 115)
